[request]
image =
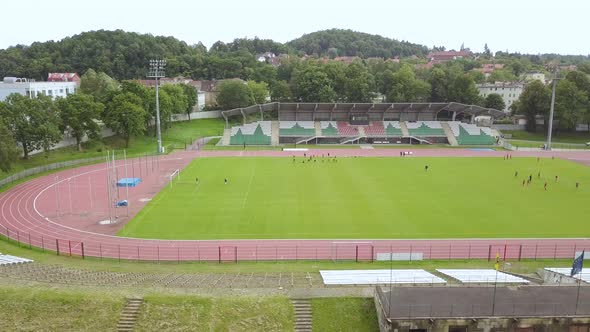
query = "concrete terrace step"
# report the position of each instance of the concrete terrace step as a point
(447, 129)
(274, 138)
(404, 128)
(129, 314)
(226, 136)
(303, 315)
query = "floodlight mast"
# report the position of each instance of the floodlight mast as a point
(157, 71)
(551, 110)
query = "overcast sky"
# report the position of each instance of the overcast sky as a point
(525, 26)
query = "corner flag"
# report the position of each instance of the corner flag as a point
(578, 264)
(497, 264)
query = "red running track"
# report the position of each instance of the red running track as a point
(59, 212)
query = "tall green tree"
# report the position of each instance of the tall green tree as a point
(191, 98)
(33, 122)
(234, 94)
(534, 100)
(405, 87)
(463, 90)
(495, 101)
(486, 51)
(438, 85)
(313, 86)
(79, 115)
(501, 75)
(8, 149)
(280, 91)
(358, 85)
(582, 82)
(259, 91)
(126, 116)
(140, 90)
(177, 96)
(99, 85)
(571, 105)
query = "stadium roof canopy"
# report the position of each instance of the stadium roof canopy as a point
(375, 111)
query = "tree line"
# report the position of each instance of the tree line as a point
(125, 55)
(128, 108)
(572, 102)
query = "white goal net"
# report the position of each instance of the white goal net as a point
(175, 176)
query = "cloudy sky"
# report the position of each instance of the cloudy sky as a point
(526, 26)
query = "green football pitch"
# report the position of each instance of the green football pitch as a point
(369, 198)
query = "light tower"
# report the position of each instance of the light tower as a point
(550, 126)
(157, 71)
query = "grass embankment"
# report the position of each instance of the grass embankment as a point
(38, 309)
(560, 140)
(344, 315)
(179, 134)
(369, 198)
(35, 309)
(190, 313)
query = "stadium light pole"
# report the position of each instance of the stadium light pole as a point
(551, 110)
(157, 71)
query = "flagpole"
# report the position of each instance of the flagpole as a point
(494, 300)
(497, 266)
(578, 296)
(578, 267)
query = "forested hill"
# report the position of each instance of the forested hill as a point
(336, 42)
(124, 55)
(118, 53)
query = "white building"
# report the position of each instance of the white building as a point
(507, 90)
(32, 89)
(200, 100)
(535, 75)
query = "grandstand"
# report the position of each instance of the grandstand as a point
(469, 134)
(381, 123)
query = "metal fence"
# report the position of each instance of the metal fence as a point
(45, 168)
(500, 309)
(280, 250)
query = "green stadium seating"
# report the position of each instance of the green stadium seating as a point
(292, 128)
(424, 128)
(257, 137)
(482, 138)
(390, 130)
(330, 130)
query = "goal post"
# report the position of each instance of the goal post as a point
(174, 176)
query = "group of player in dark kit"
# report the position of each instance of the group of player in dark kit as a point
(529, 180)
(314, 158)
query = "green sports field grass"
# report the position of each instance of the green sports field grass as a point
(369, 198)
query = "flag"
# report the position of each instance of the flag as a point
(497, 264)
(578, 264)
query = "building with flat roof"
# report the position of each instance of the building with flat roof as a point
(484, 309)
(30, 88)
(509, 91)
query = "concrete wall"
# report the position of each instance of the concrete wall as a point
(197, 115)
(509, 126)
(70, 141)
(491, 324)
